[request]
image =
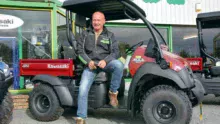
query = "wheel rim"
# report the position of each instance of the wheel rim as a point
(164, 111)
(42, 103)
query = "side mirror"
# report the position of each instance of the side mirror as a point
(150, 50)
(153, 52)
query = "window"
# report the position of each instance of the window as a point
(61, 20)
(211, 39)
(128, 36)
(64, 48)
(61, 32)
(35, 32)
(185, 41)
(7, 50)
(163, 32)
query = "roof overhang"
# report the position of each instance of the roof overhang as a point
(209, 20)
(113, 9)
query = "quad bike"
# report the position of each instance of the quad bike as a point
(207, 67)
(163, 88)
(6, 103)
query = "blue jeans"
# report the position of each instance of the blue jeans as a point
(115, 67)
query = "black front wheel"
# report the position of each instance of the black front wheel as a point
(166, 105)
(44, 104)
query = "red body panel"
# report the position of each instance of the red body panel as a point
(195, 63)
(56, 67)
(138, 59)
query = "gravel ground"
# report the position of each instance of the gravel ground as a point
(211, 114)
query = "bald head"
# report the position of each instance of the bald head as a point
(98, 13)
(98, 21)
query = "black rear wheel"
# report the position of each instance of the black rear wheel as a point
(6, 109)
(165, 105)
(44, 104)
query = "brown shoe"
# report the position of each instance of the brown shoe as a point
(113, 99)
(80, 120)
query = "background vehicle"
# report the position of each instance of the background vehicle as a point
(6, 103)
(207, 67)
(163, 88)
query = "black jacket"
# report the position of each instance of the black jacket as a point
(106, 47)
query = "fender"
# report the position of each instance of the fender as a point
(154, 69)
(52, 80)
(60, 89)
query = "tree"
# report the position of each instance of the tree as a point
(184, 54)
(6, 53)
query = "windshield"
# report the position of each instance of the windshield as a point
(129, 35)
(133, 34)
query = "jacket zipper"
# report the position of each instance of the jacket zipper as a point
(95, 43)
(96, 40)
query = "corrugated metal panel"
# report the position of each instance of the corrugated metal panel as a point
(164, 13)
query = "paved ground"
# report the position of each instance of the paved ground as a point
(211, 111)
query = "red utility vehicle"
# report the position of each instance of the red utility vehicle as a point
(163, 88)
(207, 67)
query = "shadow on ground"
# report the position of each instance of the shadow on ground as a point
(95, 116)
(105, 116)
(211, 100)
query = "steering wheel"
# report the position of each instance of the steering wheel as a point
(132, 48)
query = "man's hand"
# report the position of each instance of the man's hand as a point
(92, 65)
(102, 64)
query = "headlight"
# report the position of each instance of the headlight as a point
(6, 71)
(217, 63)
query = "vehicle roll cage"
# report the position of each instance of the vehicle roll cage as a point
(206, 21)
(131, 8)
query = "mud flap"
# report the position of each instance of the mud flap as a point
(198, 90)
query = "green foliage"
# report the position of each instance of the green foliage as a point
(122, 49)
(217, 52)
(5, 53)
(184, 54)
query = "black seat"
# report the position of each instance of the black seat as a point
(101, 77)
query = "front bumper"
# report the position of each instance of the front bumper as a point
(198, 90)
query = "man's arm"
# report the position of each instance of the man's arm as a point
(81, 50)
(114, 50)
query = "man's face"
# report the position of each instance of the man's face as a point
(98, 21)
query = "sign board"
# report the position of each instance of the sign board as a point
(10, 22)
(195, 63)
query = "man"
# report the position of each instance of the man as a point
(97, 48)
